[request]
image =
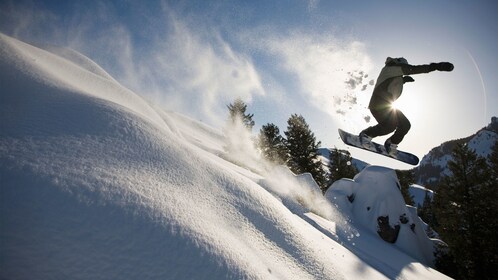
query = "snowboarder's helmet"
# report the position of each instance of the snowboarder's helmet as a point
(399, 60)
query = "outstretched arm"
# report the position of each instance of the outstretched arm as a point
(425, 68)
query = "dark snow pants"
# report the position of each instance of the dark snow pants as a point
(389, 120)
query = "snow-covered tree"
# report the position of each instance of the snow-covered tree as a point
(303, 149)
(237, 112)
(272, 144)
(240, 146)
(340, 165)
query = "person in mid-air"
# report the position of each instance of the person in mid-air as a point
(388, 88)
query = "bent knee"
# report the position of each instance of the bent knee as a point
(405, 125)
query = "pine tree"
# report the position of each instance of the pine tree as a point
(340, 165)
(466, 213)
(303, 149)
(425, 210)
(272, 144)
(426, 213)
(237, 112)
(493, 161)
(240, 146)
(406, 178)
(491, 195)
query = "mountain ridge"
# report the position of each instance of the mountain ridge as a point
(434, 165)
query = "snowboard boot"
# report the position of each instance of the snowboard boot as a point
(365, 140)
(391, 149)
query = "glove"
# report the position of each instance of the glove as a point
(442, 66)
(408, 79)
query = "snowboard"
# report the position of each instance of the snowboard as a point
(354, 140)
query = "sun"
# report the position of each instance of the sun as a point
(409, 105)
(401, 105)
(395, 105)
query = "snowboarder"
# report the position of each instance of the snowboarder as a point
(387, 89)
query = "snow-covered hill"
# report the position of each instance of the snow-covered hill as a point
(96, 183)
(434, 165)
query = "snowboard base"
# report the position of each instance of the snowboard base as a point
(354, 141)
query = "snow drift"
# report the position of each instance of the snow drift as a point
(98, 184)
(374, 201)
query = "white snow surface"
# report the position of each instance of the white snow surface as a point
(373, 193)
(482, 142)
(96, 183)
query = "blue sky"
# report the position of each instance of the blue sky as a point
(314, 58)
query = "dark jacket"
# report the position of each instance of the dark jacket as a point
(389, 85)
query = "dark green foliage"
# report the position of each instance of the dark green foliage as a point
(237, 111)
(426, 211)
(445, 261)
(303, 148)
(340, 165)
(466, 213)
(493, 161)
(272, 144)
(406, 178)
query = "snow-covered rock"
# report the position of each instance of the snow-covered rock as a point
(374, 201)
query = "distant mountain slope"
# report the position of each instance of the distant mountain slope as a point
(434, 165)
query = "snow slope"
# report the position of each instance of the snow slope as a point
(95, 183)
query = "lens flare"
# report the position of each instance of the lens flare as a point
(482, 84)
